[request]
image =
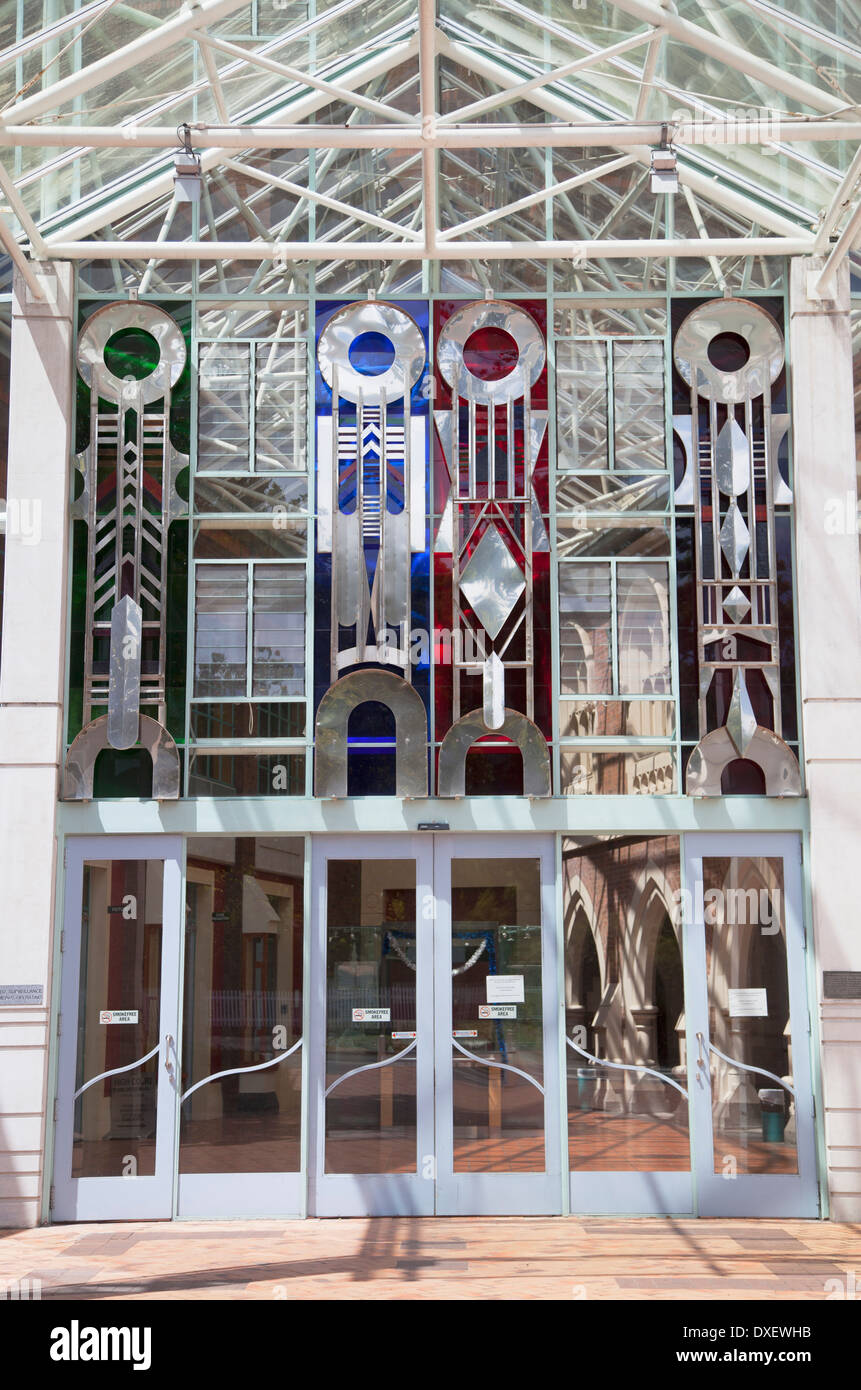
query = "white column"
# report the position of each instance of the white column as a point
(32, 672)
(829, 620)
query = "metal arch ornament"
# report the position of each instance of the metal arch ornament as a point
(154, 737)
(330, 732)
(717, 750)
(364, 434)
(750, 322)
(509, 318)
(516, 727)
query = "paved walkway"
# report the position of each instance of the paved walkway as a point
(455, 1258)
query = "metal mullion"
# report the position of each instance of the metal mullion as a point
(609, 349)
(614, 627)
(249, 637)
(252, 405)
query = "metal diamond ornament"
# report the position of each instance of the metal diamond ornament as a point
(740, 720)
(732, 460)
(735, 605)
(492, 582)
(734, 539)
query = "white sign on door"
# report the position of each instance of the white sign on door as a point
(497, 1010)
(748, 1003)
(118, 1016)
(372, 1015)
(505, 989)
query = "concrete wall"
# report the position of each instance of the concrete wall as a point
(829, 618)
(31, 714)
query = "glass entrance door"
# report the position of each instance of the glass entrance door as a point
(118, 1063)
(753, 1117)
(437, 1076)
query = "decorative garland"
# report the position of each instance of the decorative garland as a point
(455, 970)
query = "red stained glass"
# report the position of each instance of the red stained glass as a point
(490, 354)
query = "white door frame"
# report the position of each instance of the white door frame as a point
(132, 1197)
(500, 1194)
(753, 1194)
(371, 1194)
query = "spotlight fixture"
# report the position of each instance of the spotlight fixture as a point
(665, 173)
(187, 176)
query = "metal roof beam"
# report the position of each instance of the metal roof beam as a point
(451, 250)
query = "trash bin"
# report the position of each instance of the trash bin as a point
(586, 1078)
(773, 1115)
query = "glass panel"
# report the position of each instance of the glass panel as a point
(622, 535)
(617, 718)
(627, 771)
(283, 539)
(644, 629)
(278, 666)
(242, 1005)
(638, 404)
(581, 405)
(497, 1016)
(624, 1003)
(221, 621)
(608, 492)
(585, 630)
(223, 411)
(371, 1016)
(251, 494)
(246, 774)
(118, 1019)
(280, 403)
(753, 1116)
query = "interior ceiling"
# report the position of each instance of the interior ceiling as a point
(398, 131)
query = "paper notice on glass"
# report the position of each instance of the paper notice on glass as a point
(505, 989)
(372, 1015)
(748, 1003)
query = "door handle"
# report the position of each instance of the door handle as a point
(168, 1064)
(702, 1061)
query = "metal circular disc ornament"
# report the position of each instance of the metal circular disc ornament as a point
(509, 318)
(101, 326)
(349, 323)
(747, 321)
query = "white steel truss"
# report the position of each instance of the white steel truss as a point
(763, 108)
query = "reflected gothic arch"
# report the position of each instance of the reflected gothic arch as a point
(643, 649)
(90, 742)
(471, 727)
(333, 715)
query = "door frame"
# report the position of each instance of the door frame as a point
(498, 1194)
(119, 1198)
(370, 1194)
(751, 1194)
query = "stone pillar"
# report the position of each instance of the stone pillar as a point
(829, 621)
(32, 676)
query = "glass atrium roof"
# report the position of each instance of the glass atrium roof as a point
(378, 137)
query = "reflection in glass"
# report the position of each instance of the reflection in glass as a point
(371, 972)
(242, 1006)
(624, 1004)
(753, 1116)
(496, 942)
(115, 1119)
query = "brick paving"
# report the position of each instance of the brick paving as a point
(426, 1258)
